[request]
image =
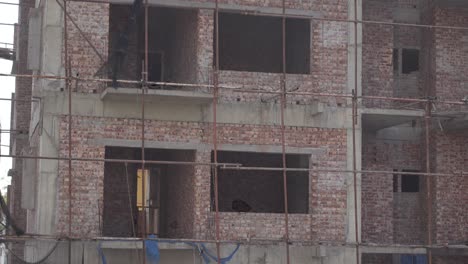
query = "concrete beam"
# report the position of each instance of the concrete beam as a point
(377, 119)
(228, 7)
(157, 95)
(206, 147)
(257, 113)
(392, 250)
(451, 251)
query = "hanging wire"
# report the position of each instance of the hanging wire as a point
(42, 260)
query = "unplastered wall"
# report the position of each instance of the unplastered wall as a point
(180, 190)
(450, 260)
(328, 190)
(427, 54)
(377, 50)
(389, 217)
(118, 22)
(185, 54)
(451, 54)
(93, 20)
(379, 76)
(119, 198)
(407, 85)
(450, 196)
(182, 52)
(328, 61)
(329, 48)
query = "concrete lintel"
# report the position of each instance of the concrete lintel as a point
(392, 250)
(392, 112)
(451, 251)
(205, 146)
(228, 7)
(157, 95)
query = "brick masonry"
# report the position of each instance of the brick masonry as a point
(441, 55)
(390, 217)
(380, 76)
(327, 190)
(328, 53)
(451, 209)
(448, 151)
(329, 74)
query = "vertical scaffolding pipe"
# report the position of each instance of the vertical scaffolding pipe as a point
(215, 129)
(427, 119)
(68, 87)
(143, 91)
(283, 143)
(355, 121)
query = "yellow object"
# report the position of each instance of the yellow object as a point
(140, 199)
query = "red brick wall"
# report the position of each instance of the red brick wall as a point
(385, 218)
(93, 21)
(328, 190)
(379, 77)
(449, 154)
(451, 53)
(377, 50)
(119, 187)
(451, 209)
(328, 51)
(328, 61)
(180, 197)
(450, 260)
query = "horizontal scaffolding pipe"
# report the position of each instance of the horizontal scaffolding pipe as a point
(9, 24)
(231, 166)
(238, 89)
(8, 3)
(20, 100)
(26, 237)
(6, 44)
(338, 171)
(184, 163)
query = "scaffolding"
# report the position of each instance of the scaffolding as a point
(355, 97)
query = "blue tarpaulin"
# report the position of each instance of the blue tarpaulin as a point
(413, 259)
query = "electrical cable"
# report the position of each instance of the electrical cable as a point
(35, 262)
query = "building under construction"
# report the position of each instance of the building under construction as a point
(222, 131)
